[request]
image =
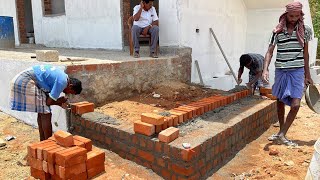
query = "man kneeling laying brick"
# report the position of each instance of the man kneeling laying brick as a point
(37, 88)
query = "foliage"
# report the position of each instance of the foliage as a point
(315, 13)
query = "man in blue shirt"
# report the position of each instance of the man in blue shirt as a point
(39, 87)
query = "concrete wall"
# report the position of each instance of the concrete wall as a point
(86, 24)
(8, 70)
(117, 81)
(179, 20)
(8, 8)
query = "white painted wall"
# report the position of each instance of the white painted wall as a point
(179, 20)
(258, 31)
(86, 24)
(8, 70)
(8, 8)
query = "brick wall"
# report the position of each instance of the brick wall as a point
(116, 81)
(21, 21)
(126, 12)
(173, 162)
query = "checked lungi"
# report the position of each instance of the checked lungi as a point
(288, 84)
(26, 95)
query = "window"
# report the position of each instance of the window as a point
(53, 7)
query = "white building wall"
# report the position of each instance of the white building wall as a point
(8, 8)
(86, 24)
(179, 20)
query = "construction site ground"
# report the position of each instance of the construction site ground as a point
(252, 162)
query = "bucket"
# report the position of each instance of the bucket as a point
(6, 32)
(313, 98)
(314, 168)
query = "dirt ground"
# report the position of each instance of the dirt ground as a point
(253, 162)
(172, 95)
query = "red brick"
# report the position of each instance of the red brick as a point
(169, 135)
(32, 148)
(41, 149)
(90, 67)
(165, 123)
(84, 108)
(39, 174)
(71, 156)
(175, 120)
(179, 113)
(69, 172)
(86, 141)
(170, 121)
(158, 128)
(95, 171)
(74, 69)
(199, 105)
(146, 155)
(144, 128)
(194, 110)
(188, 111)
(35, 163)
(182, 170)
(63, 138)
(180, 116)
(45, 166)
(74, 105)
(79, 143)
(95, 158)
(152, 118)
(49, 154)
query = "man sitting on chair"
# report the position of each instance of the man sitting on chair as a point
(145, 22)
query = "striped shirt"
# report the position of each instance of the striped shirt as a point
(290, 52)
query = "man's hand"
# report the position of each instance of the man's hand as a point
(62, 100)
(239, 80)
(308, 81)
(265, 76)
(145, 30)
(141, 5)
(65, 105)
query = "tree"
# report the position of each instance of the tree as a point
(315, 13)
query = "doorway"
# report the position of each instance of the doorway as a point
(25, 21)
(127, 11)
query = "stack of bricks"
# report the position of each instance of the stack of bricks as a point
(268, 93)
(82, 107)
(152, 123)
(64, 156)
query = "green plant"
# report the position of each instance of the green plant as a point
(315, 13)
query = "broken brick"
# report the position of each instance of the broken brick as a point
(168, 135)
(63, 138)
(143, 128)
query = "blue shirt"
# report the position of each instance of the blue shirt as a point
(50, 79)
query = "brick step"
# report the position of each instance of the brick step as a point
(210, 148)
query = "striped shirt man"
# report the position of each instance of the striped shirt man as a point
(289, 52)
